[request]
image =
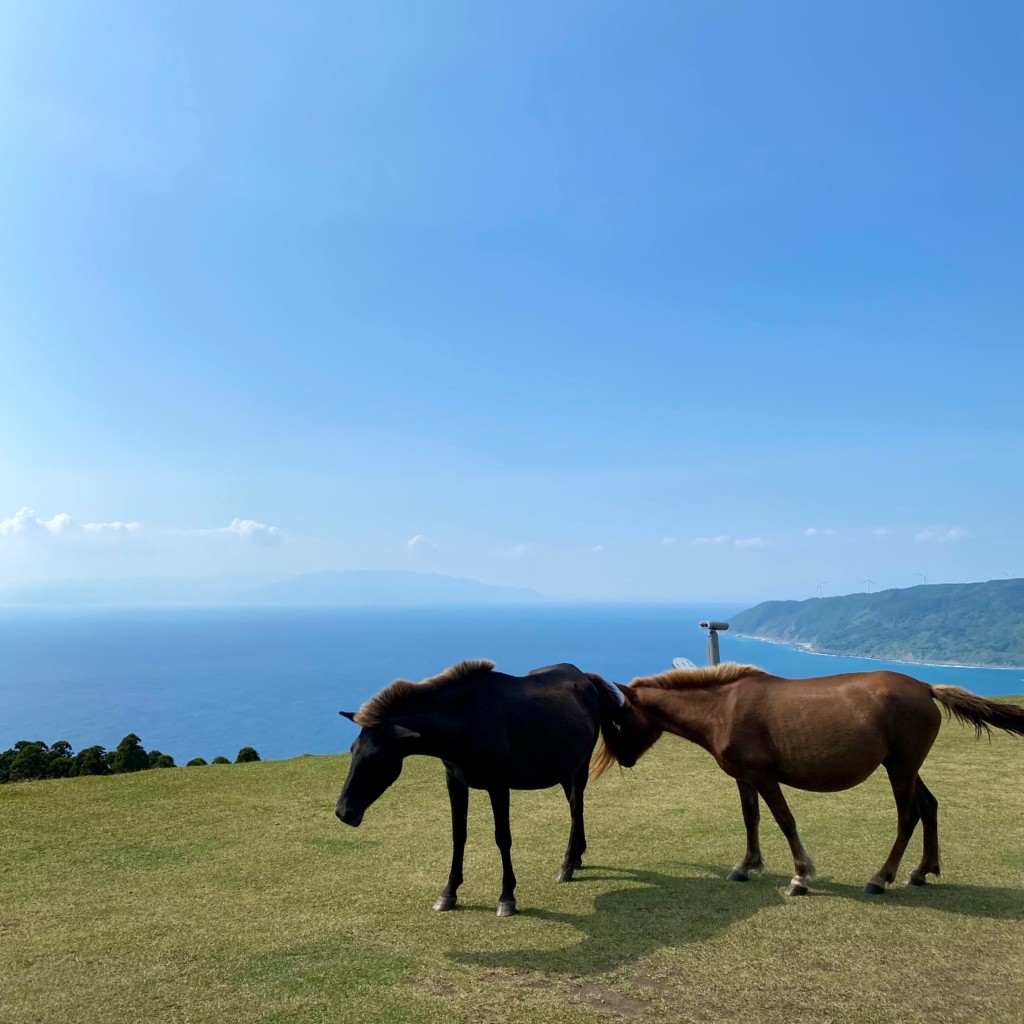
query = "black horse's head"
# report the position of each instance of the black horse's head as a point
(376, 763)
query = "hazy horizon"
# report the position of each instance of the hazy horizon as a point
(386, 587)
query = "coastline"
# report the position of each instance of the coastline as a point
(809, 649)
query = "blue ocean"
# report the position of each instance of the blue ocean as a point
(202, 682)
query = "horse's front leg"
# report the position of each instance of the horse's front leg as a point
(753, 861)
(503, 838)
(458, 796)
(803, 866)
(574, 788)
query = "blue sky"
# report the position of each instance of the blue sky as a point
(691, 300)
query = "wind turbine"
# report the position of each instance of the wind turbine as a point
(820, 584)
(869, 583)
(923, 575)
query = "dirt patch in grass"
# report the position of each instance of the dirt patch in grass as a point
(608, 1000)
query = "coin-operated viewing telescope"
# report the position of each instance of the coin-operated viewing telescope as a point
(713, 629)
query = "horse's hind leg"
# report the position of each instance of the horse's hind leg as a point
(753, 861)
(503, 839)
(907, 814)
(458, 797)
(928, 808)
(573, 789)
(803, 866)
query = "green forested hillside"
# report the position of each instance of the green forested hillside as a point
(954, 623)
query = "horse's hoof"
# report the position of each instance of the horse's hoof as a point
(795, 889)
(874, 889)
(565, 874)
(917, 880)
(443, 903)
(506, 908)
(738, 876)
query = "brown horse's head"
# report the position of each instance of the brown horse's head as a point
(633, 733)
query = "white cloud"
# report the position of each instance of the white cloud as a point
(115, 527)
(25, 523)
(724, 538)
(36, 549)
(668, 541)
(598, 547)
(881, 531)
(813, 531)
(251, 530)
(65, 529)
(420, 545)
(941, 535)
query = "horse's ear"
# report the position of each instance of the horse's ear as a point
(627, 693)
(405, 734)
(350, 715)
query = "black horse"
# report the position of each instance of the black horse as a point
(493, 732)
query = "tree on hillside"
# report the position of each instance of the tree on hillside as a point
(30, 762)
(159, 760)
(129, 756)
(59, 767)
(246, 754)
(220, 759)
(91, 761)
(196, 762)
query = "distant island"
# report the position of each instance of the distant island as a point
(354, 587)
(950, 624)
(384, 587)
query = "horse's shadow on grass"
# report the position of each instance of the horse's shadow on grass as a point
(993, 902)
(652, 912)
(658, 911)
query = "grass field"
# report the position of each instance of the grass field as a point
(231, 893)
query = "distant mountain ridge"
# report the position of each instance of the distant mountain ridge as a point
(948, 623)
(353, 587)
(384, 587)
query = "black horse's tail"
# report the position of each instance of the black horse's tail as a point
(611, 710)
(970, 709)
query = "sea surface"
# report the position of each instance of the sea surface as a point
(206, 681)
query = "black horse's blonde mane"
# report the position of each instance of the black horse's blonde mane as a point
(689, 678)
(401, 695)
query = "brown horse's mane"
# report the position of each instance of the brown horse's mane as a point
(689, 678)
(401, 695)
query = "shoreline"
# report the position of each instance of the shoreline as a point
(808, 649)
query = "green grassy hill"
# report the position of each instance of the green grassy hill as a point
(232, 894)
(949, 623)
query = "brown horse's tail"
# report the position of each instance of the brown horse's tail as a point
(970, 709)
(611, 708)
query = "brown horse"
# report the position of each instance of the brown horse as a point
(823, 735)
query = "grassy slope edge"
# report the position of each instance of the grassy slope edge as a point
(232, 894)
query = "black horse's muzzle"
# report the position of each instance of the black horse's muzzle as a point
(349, 816)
